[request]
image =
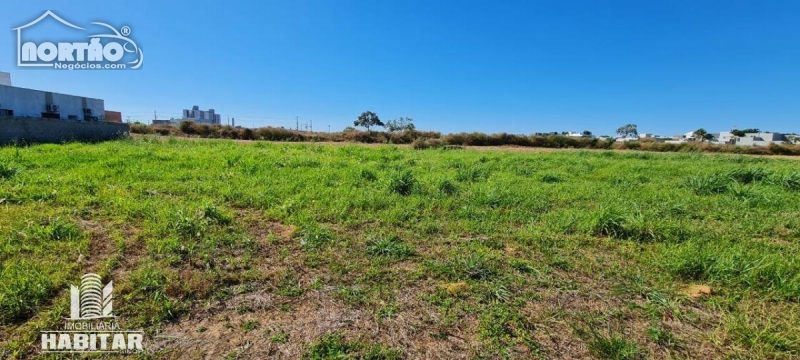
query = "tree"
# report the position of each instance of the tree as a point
(586, 133)
(628, 130)
(703, 135)
(400, 124)
(744, 132)
(367, 119)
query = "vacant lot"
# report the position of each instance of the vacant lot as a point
(239, 250)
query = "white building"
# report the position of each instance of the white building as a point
(5, 78)
(28, 103)
(200, 116)
(753, 139)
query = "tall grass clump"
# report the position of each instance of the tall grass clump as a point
(790, 181)
(749, 175)
(402, 183)
(22, 290)
(6, 171)
(615, 223)
(708, 184)
(389, 246)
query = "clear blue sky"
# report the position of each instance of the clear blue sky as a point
(491, 66)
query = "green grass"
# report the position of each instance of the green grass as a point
(504, 250)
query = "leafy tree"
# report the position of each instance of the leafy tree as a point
(703, 135)
(586, 133)
(744, 132)
(368, 119)
(628, 130)
(400, 124)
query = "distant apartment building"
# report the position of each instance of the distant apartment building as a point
(16, 102)
(201, 116)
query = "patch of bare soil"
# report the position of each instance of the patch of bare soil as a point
(270, 328)
(257, 323)
(562, 311)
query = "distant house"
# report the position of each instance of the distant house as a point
(753, 139)
(626, 139)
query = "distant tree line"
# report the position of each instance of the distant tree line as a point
(403, 131)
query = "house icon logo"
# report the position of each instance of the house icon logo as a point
(91, 300)
(112, 50)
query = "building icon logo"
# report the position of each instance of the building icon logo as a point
(91, 300)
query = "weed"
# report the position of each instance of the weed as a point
(279, 336)
(389, 246)
(446, 187)
(402, 183)
(313, 236)
(550, 179)
(609, 346)
(662, 337)
(709, 184)
(250, 325)
(334, 346)
(6, 171)
(749, 175)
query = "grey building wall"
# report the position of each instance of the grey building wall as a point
(32, 103)
(5, 78)
(58, 131)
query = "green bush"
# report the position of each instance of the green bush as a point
(402, 183)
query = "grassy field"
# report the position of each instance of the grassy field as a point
(237, 250)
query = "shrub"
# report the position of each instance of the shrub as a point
(141, 129)
(187, 127)
(422, 143)
(402, 183)
(447, 187)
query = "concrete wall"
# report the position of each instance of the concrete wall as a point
(32, 103)
(5, 78)
(58, 131)
(113, 116)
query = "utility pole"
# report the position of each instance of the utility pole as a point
(297, 123)
(155, 116)
(329, 129)
(312, 125)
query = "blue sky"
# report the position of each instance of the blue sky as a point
(508, 66)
